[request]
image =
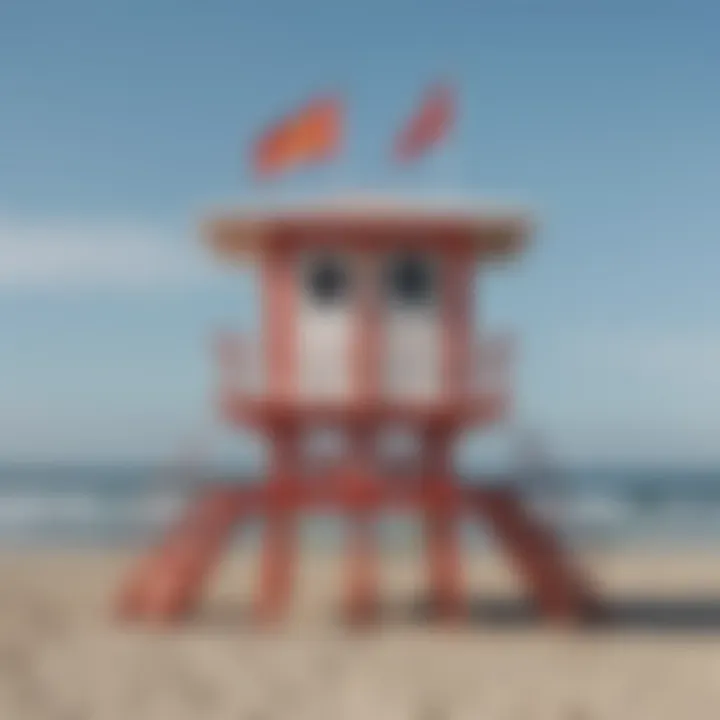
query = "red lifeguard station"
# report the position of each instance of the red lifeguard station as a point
(367, 331)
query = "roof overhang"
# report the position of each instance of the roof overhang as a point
(487, 231)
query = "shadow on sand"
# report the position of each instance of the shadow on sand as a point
(656, 614)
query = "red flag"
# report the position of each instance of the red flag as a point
(429, 125)
(313, 134)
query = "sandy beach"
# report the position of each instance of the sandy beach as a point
(62, 656)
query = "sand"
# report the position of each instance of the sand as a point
(63, 656)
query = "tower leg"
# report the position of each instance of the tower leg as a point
(169, 583)
(441, 544)
(279, 543)
(361, 602)
(362, 596)
(560, 592)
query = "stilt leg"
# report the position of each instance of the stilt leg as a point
(560, 592)
(441, 547)
(277, 567)
(361, 603)
(279, 544)
(169, 583)
(443, 565)
(361, 600)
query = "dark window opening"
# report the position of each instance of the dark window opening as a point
(411, 280)
(327, 280)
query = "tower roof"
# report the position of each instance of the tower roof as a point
(489, 230)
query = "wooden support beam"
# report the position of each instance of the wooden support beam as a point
(441, 543)
(559, 591)
(169, 583)
(359, 486)
(279, 542)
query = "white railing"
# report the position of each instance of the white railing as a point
(493, 366)
(241, 366)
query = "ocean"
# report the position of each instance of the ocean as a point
(61, 506)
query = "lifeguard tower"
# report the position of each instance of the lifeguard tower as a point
(368, 334)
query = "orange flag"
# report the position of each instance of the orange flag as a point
(313, 134)
(429, 125)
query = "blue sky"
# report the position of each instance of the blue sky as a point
(121, 123)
